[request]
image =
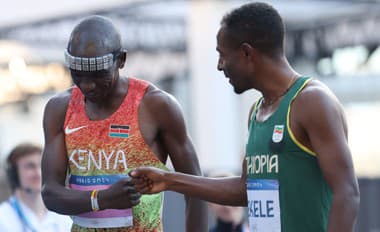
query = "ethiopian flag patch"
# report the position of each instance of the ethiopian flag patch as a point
(278, 133)
(119, 131)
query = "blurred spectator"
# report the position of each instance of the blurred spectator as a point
(227, 218)
(24, 210)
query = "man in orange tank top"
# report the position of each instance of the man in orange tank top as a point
(105, 126)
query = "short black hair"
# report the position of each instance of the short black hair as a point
(258, 24)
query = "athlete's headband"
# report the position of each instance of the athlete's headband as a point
(90, 63)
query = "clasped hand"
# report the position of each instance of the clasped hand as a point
(126, 192)
(121, 195)
(149, 180)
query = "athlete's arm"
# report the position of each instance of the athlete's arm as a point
(225, 191)
(174, 140)
(319, 119)
(56, 196)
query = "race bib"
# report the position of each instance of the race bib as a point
(108, 218)
(263, 205)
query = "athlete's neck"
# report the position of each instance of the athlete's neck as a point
(103, 109)
(115, 95)
(282, 76)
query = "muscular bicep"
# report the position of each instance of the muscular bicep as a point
(326, 129)
(178, 143)
(175, 139)
(325, 125)
(54, 159)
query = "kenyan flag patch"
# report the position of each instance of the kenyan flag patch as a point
(119, 131)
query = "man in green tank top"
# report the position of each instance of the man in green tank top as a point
(298, 174)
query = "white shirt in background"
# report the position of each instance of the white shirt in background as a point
(10, 221)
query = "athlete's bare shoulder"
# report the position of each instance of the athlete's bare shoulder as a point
(60, 100)
(163, 107)
(314, 93)
(158, 98)
(316, 103)
(55, 109)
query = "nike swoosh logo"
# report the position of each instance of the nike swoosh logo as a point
(72, 130)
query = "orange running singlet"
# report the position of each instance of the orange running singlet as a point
(101, 152)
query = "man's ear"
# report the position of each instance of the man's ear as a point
(122, 58)
(248, 50)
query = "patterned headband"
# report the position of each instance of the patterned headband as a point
(90, 64)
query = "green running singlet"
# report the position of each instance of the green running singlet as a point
(285, 187)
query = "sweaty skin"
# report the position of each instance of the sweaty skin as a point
(160, 118)
(316, 117)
